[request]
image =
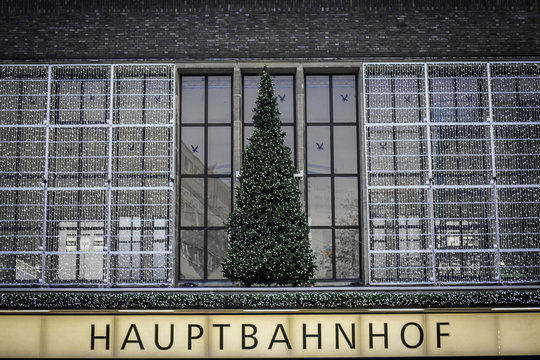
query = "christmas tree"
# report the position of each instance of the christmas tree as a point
(268, 233)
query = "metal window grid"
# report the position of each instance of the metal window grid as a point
(86, 194)
(452, 172)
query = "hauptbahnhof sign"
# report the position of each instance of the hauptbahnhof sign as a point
(268, 334)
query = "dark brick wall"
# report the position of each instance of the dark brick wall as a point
(163, 30)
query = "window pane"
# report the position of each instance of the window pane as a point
(321, 242)
(319, 201)
(289, 138)
(344, 98)
(347, 254)
(192, 202)
(219, 99)
(217, 248)
(317, 97)
(219, 150)
(345, 150)
(251, 88)
(192, 150)
(193, 99)
(219, 200)
(318, 149)
(284, 91)
(346, 197)
(248, 131)
(192, 254)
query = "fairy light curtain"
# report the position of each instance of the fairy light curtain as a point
(453, 172)
(86, 190)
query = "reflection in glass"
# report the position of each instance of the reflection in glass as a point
(219, 150)
(192, 202)
(219, 200)
(217, 248)
(321, 242)
(319, 201)
(345, 150)
(346, 198)
(317, 98)
(347, 254)
(192, 99)
(192, 150)
(219, 99)
(344, 98)
(192, 254)
(318, 149)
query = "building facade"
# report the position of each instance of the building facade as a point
(414, 129)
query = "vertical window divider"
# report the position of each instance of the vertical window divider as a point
(430, 174)
(109, 176)
(173, 183)
(205, 182)
(46, 177)
(367, 160)
(494, 176)
(358, 177)
(332, 172)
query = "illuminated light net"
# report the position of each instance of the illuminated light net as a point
(86, 194)
(453, 172)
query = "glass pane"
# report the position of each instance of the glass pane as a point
(217, 248)
(318, 149)
(346, 197)
(219, 150)
(317, 97)
(192, 150)
(251, 88)
(345, 149)
(289, 138)
(192, 202)
(319, 201)
(321, 242)
(192, 99)
(284, 91)
(344, 98)
(192, 254)
(347, 254)
(248, 131)
(219, 200)
(219, 99)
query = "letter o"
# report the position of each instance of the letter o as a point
(420, 331)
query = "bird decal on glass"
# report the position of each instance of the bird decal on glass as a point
(92, 97)
(344, 97)
(195, 148)
(32, 101)
(383, 146)
(469, 97)
(319, 146)
(158, 98)
(282, 97)
(407, 98)
(132, 147)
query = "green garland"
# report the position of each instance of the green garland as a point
(297, 300)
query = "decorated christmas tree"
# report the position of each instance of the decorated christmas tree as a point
(268, 233)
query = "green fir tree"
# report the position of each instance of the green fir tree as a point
(268, 232)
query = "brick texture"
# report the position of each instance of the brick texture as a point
(177, 30)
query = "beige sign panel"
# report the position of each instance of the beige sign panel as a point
(275, 335)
